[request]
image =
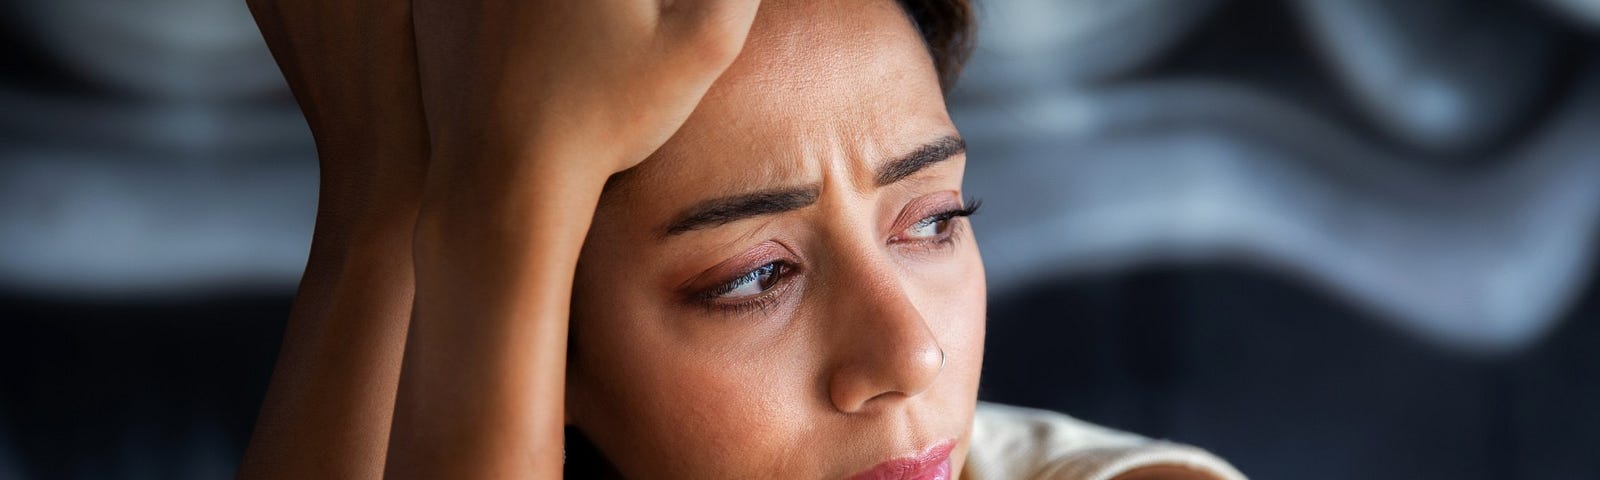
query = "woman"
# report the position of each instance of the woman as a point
(753, 217)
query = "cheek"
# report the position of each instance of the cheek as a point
(954, 301)
(659, 407)
(964, 323)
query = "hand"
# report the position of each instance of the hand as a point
(606, 81)
(530, 107)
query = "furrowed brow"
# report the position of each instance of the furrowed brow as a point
(720, 211)
(923, 157)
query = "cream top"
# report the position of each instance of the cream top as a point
(1015, 443)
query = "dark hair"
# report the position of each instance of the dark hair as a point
(949, 28)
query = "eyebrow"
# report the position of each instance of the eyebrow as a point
(721, 211)
(934, 152)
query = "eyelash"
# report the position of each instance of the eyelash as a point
(783, 269)
(950, 234)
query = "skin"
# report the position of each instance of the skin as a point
(840, 369)
(468, 250)
(530, 107)
(328, 410)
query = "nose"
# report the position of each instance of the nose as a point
(885, 351)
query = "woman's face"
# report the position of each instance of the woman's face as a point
(787, 289)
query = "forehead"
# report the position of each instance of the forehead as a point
(818, 82)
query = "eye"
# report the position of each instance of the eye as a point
(936, 227)
(751, 283)
(929, 228)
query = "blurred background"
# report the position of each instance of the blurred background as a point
(1327, 239)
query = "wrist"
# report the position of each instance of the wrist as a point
(351, 219)
(535, 211)
(506, 142)
(514, 178)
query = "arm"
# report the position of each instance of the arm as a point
(482, 391)
(328, 409)
(530, 108)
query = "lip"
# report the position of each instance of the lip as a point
(931, 464)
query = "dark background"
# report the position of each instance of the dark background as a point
(1324, 239)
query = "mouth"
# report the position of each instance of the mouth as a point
(931, 464)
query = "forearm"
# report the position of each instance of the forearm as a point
(483, 386)
(328, 409)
